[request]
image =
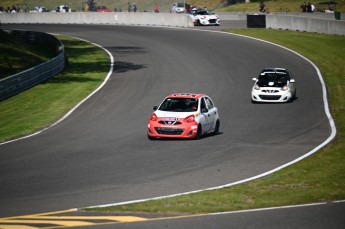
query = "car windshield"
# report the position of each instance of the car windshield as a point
(203, 12)
(179, 105)
(273, 77)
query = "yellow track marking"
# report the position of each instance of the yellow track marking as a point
(111, 218)
(16, 227)
(54, 222)
(53, 218)
(41, 214)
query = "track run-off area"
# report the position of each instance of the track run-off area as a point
(100, 154)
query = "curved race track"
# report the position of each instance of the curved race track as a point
(100, 154)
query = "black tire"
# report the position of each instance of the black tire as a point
(295, 95)
(216, 129)
(198, 134)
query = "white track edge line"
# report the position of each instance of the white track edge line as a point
(326, 107)
(328, 140)
(275, 208)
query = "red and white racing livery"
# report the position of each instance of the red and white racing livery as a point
(184, 115)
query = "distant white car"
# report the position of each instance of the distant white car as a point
(179, 8)
(62, 9)
(204, 17)
(275, 85)
(39, 9)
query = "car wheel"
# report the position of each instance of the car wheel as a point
(216, 129)
(294, 95)
(198, 134)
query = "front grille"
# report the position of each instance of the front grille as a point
(270, 91)
(212, 21)
(169, 131)
(170, 123)
(269, 97)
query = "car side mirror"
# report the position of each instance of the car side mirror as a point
(292, 81)
(155, 108)
(254, 79)
(204, 110)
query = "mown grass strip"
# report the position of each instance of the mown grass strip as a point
(39, 107)
(319, 178)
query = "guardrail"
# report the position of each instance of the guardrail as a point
(307, 22)
(110, 18)
(22, 81)
(304, 23)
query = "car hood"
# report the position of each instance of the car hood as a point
(167, 114)
(271, 84)
(206, 16)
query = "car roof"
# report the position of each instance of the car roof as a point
(186, 95)
(273, 69)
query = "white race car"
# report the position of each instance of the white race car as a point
(204, 17)
(274, 85)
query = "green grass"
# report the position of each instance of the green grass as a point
(253, 6)
(279, 6)
(320, 177)
(42, 105)
(16, 56)
(142, 5)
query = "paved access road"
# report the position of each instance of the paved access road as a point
(100, 154)
(302, 217)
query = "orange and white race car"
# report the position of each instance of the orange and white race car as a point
(184, 115)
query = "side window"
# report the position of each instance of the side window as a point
(203, 104)
(209, 103)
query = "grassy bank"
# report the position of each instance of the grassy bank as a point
(42, 105)
(321, 177)
(143, 5)
(279, 6)
(147, 5)
(16, 56)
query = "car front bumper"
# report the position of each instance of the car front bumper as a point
(271, 96)
(187, 130)
(207, 22)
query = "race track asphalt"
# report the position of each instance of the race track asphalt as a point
(100, 154)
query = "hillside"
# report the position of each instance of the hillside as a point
(16, 56)
(147, 5)
(282, 6)
(76, 5)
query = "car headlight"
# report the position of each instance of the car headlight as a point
(285, 88)
(256, 87)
